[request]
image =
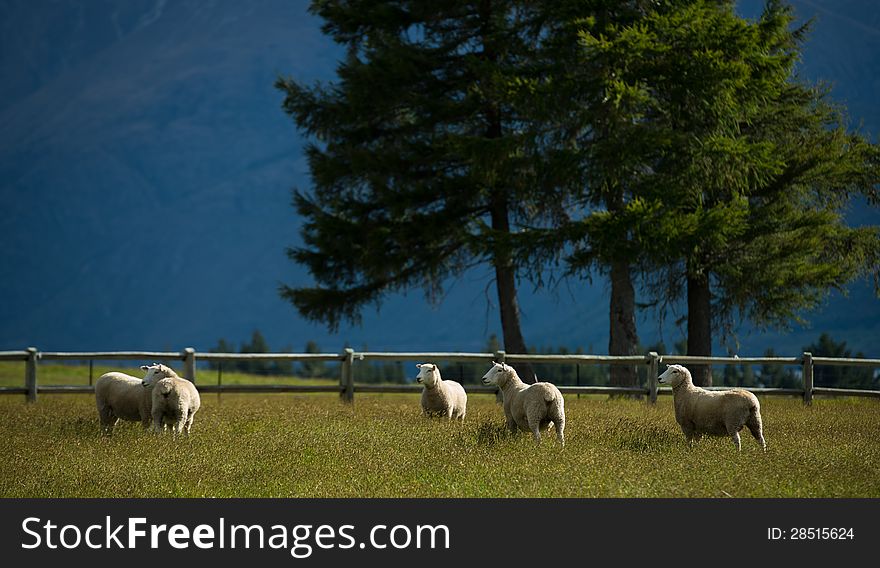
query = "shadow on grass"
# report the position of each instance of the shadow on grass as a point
(628, 434)
(490, 434)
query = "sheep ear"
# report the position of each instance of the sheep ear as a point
(144, 368)
(418, 365)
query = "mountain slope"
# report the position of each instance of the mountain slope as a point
(145, 170)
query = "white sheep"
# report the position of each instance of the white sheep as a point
(531, 408)
(175, 400)
(120, 396)
(714, 413)
(439, 397)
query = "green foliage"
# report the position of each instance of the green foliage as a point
(739, 376)
(316, 446)
(384, 373)
(315, 369)
(578, 375)
(842, 377)
(711, 159)
(777, 376)
(257, 344)
(417, 161)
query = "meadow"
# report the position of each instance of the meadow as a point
(314, 445)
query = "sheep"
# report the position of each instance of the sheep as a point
(528, 407)
(439, 397)
(715, 413)
(175, 401)
(120, 396)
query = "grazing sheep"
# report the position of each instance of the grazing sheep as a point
(530, 407)
(175, 401)
(439, 397)
(120, 396)
(715, 413)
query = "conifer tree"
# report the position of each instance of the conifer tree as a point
(416, 157)
(710, 170)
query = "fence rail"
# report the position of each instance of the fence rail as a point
(347, 386)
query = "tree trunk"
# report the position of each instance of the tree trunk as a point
(505, 283)
(505, 273)
(699, 326)
(623, 338)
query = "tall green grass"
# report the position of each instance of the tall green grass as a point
(317, 446)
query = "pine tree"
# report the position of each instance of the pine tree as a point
(222, 346)
(777, 376)
(760, 170)
(312, 369)
(840, 377)
(416, 157)
(257, 344)
(722, 176)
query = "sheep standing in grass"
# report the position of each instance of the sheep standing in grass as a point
(531, 408)
(123, 397)
(439, 397)
(715, 413)
(175, 400)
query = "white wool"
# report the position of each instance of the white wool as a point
(122, 397)
(175, 402)
(530, 408)
(714, 413)
(440, 397)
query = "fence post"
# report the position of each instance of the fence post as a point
(189, 364)
(653, 373)
(30, 374)
(808, 378)
(347, 378)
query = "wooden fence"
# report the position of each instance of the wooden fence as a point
(349, 359)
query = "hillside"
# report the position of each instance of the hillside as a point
(146, 168)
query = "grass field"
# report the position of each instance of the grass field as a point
(313, 445)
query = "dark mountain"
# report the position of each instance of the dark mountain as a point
(146, 168)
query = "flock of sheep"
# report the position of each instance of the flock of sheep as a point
(162, 398)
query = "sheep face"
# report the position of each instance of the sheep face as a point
(674, 375)
(164, 388)
(495, 374)
(428, 374)
(155, 372)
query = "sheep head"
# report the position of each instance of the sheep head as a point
(156, 372)
(164, 387)
(428, 375)
(675, 375)
(498, 375)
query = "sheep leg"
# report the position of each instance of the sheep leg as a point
(189, 422)
(157, 423)
(560, 428)
(535, 427)
(108, 420)
(690, 434)
(756, 428)
(736, 442)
